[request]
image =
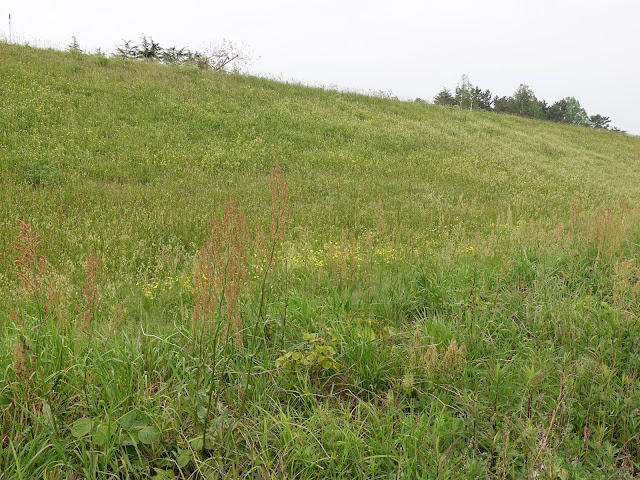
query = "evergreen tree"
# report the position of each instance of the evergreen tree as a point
(544, 107)
(127, 50)
(501, 104)
(148, 49)
(444, 97)
(557, 111)
(599, 121)
(174, 56)
(74, 46)
(482, 99)
(523, 103)
(567, 110)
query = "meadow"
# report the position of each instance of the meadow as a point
(208, 275)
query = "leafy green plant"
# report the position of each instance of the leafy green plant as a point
(39, 173)
(314, 354)
(132, 429)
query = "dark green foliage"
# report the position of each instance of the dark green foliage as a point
(175, 56)
(567, 110)
(600, 121)
(74, 46)
(222, 57)
(127, 50)
(557, 111)
(524, 103)
(544, 107)
(39, 173)
(501, 104)
(467, 97)
(445, 98)
(482, 99)
(148, 49)
(574, 113)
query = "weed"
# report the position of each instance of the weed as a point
(268, 244)
(39, 174)
(31, 264)
(220, 274)
(91, 290)
(21, 360)
(314, 355)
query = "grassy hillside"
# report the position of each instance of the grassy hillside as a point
(455, 295)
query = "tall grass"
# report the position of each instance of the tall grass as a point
(412, 292)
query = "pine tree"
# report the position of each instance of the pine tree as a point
(74, 46)
(600, 121)
(127, 50)
(444, 97)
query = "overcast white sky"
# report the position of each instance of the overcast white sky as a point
(589, 49)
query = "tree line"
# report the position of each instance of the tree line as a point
(523, 103)
(221, 57)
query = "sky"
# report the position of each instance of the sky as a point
(586, 49)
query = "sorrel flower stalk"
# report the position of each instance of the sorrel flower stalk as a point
(31, 264)
(91, 290)
(268, 243)
(220, 273)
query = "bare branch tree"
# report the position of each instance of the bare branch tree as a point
(226, 56)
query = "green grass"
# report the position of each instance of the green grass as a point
(457, 294)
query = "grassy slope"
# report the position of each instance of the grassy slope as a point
(128, 136)
(472, 209)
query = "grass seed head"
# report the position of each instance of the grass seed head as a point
(31, 264)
